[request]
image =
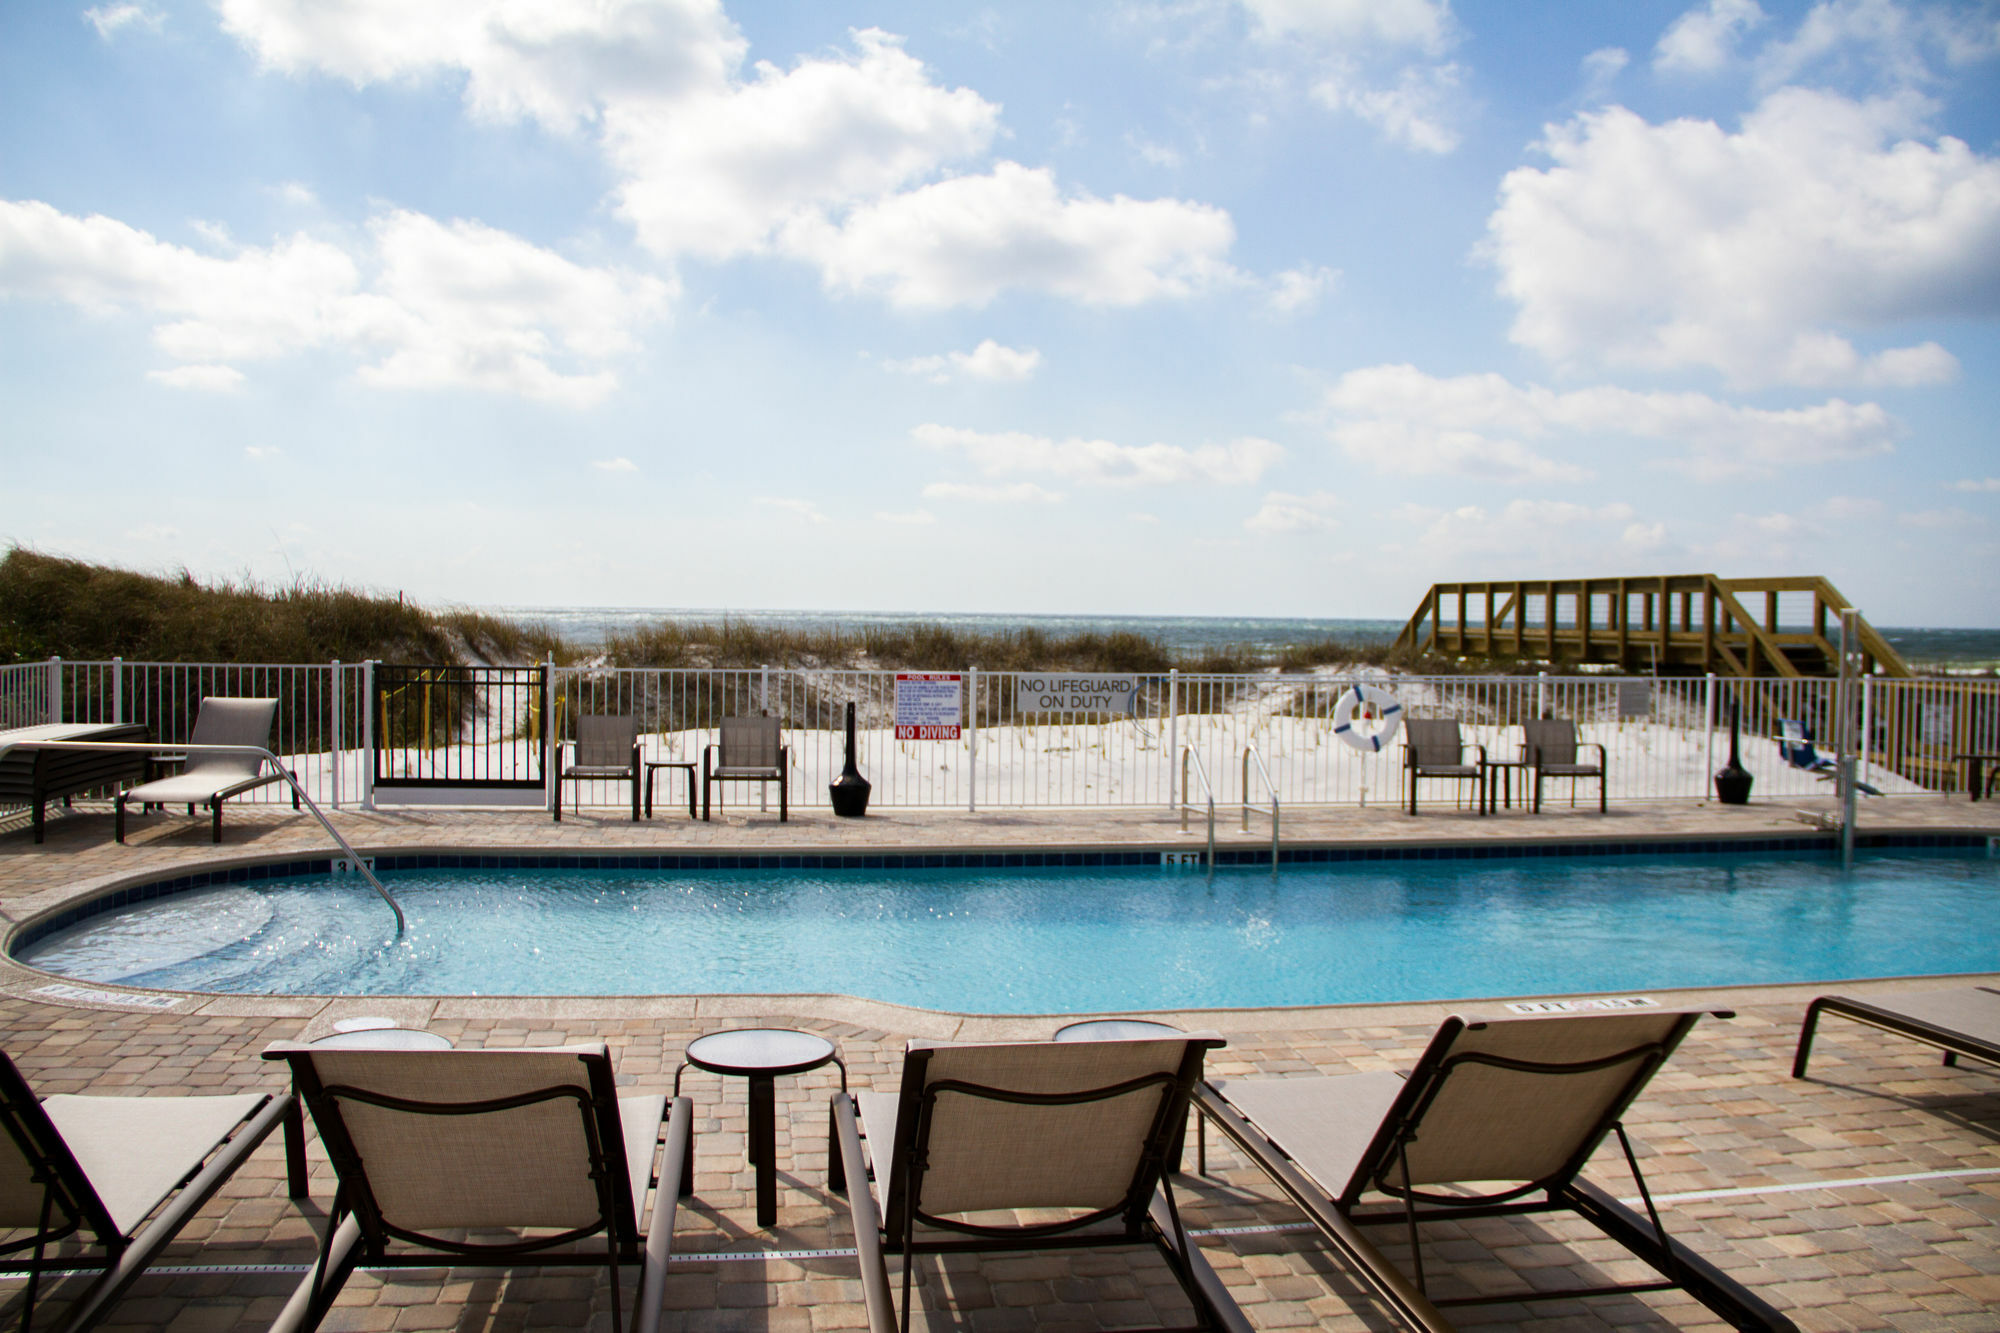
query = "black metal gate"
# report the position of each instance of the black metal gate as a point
(460, 726)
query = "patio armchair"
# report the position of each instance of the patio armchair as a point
(210, 777)
(94, 1169)
(607, 750)
(1551, 751)
(750, 749)
(435, 1148)
(1432, 748)
(1498, 1118)
(1080, 1133)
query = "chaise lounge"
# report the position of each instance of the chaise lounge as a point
(1083, 1130)
(1497, 1118)
(211, 777)
(1962, 1020)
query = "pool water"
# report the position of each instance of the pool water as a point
(1067, 941)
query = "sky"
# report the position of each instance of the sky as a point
(1162, 307)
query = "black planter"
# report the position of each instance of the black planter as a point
(850, 790)
(1732, 780)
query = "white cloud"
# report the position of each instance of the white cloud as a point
(1754, 253)
(618, 464)
(720, 172)
(1154, 154)
(1101, 462)
(553, 62)
(989, 361)
(154, 532)
(1937, 520)
(1379, 60)
(1021, 492)
(1283, 512)
(1417, 109)
(109, 19)
(207, 379)
(1703, 40)
(1977, 484)
(963, 241)
(421, 304)
(805, 509)
(1601, 69)
(262, 451)
(916, 518)
(1298, 289)
(1529, 535)
(1879, 42)
(1397, 419)
(1423, 25)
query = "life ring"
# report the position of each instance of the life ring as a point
(1386, 708)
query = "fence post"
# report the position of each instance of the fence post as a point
(1541, 694)
(55, 690)
(972, 746)
(117, 689)
(333, 749)
(368, 734)
(551, 739)
(1173, 733)
(1708, 732)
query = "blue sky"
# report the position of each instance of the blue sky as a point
(1280, 307)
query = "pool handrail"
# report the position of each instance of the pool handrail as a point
(1188, 754)
(1250, 756)
(150, 747)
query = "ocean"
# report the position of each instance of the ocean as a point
(1953, 649)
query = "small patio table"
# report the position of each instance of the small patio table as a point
(1974, 772)
(655, 765)
(760, 1055)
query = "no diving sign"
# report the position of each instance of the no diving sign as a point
(927, 707)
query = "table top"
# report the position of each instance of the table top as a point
(385, 1039)
(759, 1051)
(1114, 1029)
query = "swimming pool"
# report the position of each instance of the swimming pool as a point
(996, 940)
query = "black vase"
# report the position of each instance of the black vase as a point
(850, 790)
(1732, 780)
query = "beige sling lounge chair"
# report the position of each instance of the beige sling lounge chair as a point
(1497, 1118)
(750, 751)
(607, 750)
(1963, 1020)
(1081, 1132)
(534, 1144)
(94, 1169)
(211, 777)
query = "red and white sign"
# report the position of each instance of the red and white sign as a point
(927, 705)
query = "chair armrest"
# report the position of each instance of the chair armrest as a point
(1482, 753)
(1597, 747)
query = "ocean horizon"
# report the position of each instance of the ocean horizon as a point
(592, 626)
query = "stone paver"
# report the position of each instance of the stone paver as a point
(1873, 1188)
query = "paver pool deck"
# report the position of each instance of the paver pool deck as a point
(1865, 1197)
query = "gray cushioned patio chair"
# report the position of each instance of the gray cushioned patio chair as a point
(607, 750)
(1432, 748)
(1962, 1020)
(750, 750)
(1082, 1133)
(211, 777)
(536, 1144)
(1497, 1118)
(94, 1169)
(1550, 750)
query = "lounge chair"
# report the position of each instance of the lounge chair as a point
(1550, 750)
(520, 1141)
(750, 751)
(1496, 1118)
(607, 750)
(1083, 1130)
(95, 1168)
(1964, 1020)
(210, 777)
(1795, 747)
(1432, 748)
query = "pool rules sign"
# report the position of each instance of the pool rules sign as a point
(927, 706)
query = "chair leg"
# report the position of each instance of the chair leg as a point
(784, 812)
(215, 823)
(118, 818)
(558, 787)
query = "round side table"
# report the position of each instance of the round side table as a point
(1129, 1029)
(385, 1039)
(760, 1055)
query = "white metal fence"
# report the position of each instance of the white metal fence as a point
(1663, 737)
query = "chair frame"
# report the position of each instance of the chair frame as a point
(1413, 769)
(213, 802)
(71, 1205)
(1531, 755)
(1148, 1214)
(627, 772)
(1889, 1019)
(1340, 1217)
(715, 765)
(358, 1235)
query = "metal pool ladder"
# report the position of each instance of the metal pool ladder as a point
(1250, 756)
(149, 747)
(1188, 756)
